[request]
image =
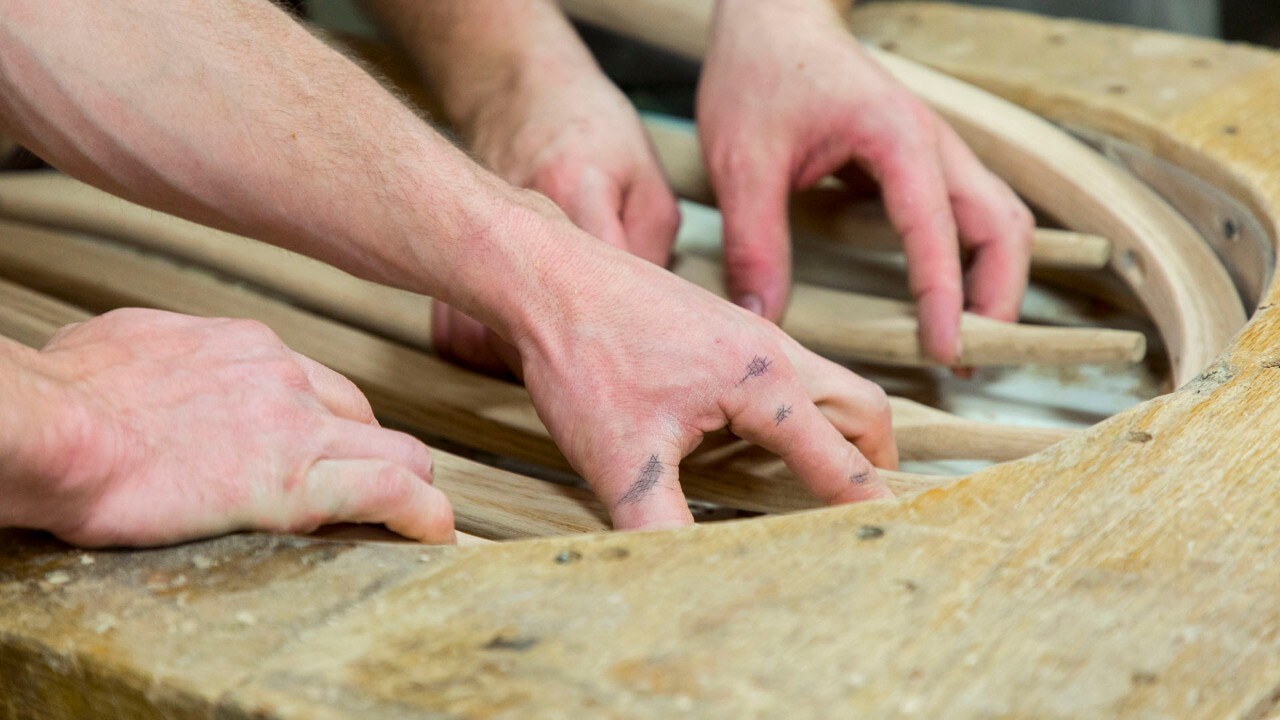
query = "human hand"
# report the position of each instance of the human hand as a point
(787, 98)
(565, 131)
(629, 374)
(174, 428)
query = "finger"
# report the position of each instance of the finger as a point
(376, 491)
(779, 417)
(462, 340)
(593, 203)
(753, 196)
(347, 440)
(338, 394)
(915, 197)
(651, 218)
(642, 489)
(857, 407)
(995, 224)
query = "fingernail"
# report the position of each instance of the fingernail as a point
(752, 303)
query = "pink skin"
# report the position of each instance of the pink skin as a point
(787, 98)
(170, 428)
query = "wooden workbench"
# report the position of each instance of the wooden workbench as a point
(1129, 572)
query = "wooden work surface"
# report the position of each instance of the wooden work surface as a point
(1129, 572)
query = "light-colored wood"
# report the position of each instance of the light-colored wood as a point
(833, 214)
(861, 327)
(413, 389)
(937, 435)
(488, 502)
(849, 326)
(53, 199)
(1126, 573)
(1181, 283)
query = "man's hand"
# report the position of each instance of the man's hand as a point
(533, 106)
(171, 428)
(787, 98)
(631, 366)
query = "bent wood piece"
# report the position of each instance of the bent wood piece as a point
(836, 215)
(885, 330)
(868, 329)
(488, 502)
(416, 390)
(53, 199)
(1180, 281)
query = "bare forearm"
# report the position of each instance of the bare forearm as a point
(473, 53)
(231, 114)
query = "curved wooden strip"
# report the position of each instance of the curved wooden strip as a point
(53, 199)
(1181, 283)
(415, 390)
(870, 329)
(488, 502)
(835, 215)
(849, 326)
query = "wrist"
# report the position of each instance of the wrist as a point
(35, 417)
(490, 52)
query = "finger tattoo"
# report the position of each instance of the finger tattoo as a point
(859, 478)
(784, 412)
(758, 366)
(648, 479)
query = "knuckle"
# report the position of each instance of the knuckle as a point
(252, 330)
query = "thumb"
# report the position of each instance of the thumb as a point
(757, 239)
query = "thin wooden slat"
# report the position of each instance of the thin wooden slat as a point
(488, 502)
(415, 390)
(1181, 283)
(835, 215)
(925, 433)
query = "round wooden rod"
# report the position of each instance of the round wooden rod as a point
(869, 329)
(846, 325)
(1172, 270)
(414, 390)
(832, 214)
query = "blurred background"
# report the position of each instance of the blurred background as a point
(657, 82)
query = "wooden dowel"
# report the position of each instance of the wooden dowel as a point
(853, 327)
(870, 329)
(835, 215)
(411, 388)
(1181, 283)
(925, 433)
(488, 502)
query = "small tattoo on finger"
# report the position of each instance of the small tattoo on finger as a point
(758, 366)
(648, 479)
(859, 478)
(784, 412)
